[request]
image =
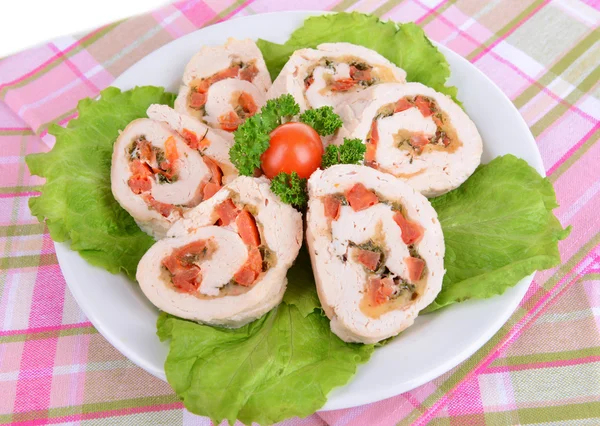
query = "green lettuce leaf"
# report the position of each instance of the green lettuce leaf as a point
(498, 228)
(76, 201)
(406, 45)
(301, 288)
(279, 366)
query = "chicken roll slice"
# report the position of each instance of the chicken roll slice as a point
(156, 176)
(377, 251)
(224, 85)
(414, 133)
(228, 259)
(332, 72)
(213, 144)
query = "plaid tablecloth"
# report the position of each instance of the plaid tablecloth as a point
(543, 366)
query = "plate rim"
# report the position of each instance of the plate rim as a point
(63, 247)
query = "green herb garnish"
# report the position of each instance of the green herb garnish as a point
(323, 120)
(252, 137)
(352, 151)
(291, 188)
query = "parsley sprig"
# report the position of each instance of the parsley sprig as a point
(352, 151)
(252, 140)
(323, 120)
(291, 188)
(252, 137)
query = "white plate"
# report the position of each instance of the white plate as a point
(434, 345)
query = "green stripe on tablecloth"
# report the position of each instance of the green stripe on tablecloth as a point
(505, 29)
(28, 261)
(17, 189)
(119, 405)
(84, 44)
(555, 113)
(28, 335)
(467, 419)
(14, 218)
(557, 69)
(442, 421)
(91, 408)
(24, 132)
(546, 357)
(56, 120)
(436, 13)
(573, 260)
(386, 7)
(20, 230)
(575, 157)
(537, 415)
(343, 5)
(590, 277)
(222, 14)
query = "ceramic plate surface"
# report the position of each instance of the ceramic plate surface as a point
(435, 344)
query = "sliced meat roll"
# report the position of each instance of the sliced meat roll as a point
(156, 176)
(414, 133)
(224, 85)
(329, 74)
(377, 251)
(228, 259)
(214, 145)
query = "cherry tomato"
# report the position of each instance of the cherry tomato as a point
(294, 147)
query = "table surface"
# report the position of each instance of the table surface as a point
(542, 366)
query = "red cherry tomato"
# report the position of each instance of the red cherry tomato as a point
(294, 147)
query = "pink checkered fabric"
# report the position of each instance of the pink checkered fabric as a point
(543, 366)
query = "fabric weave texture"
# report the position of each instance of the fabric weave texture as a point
(545, 55)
